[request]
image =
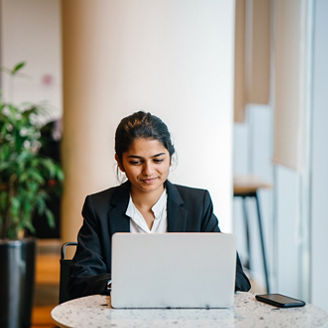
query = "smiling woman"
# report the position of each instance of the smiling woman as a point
(146, 165)
(146, 203)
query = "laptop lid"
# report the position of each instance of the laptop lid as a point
(173, 270)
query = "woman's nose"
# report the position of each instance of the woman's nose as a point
(147, 169)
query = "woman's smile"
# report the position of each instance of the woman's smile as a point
(148, 180)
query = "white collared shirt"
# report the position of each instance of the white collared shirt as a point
(138, 223)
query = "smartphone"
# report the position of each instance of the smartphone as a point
(280, 300)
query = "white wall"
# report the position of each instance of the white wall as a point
(176, 60)
(196, 98)
(30, 31)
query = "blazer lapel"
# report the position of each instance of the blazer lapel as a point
(119, 222)
(176, 213)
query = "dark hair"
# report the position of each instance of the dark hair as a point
(141, 125)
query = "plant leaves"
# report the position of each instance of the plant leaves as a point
(17, 67)
(50, 218)
(27, 177)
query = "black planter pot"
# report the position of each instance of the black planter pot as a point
(17, 266)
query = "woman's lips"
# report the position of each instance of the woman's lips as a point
(148, 180)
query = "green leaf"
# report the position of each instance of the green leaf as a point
(50, 218)
(28, 225)
(37, 176)
(15, 205)
(3, 165)
(23, 177)
(17, 67)
(41, 205)
(60, 174)
(50, 166)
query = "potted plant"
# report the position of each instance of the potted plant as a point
(26, 179)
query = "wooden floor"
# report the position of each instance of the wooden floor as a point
(47, 283)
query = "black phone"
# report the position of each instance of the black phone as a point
(280, 300)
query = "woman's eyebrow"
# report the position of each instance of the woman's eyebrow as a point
(157, 155)
(136, 156)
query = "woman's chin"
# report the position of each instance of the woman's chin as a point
(150, 186)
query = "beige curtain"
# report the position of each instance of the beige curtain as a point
(252, 55)
(290, 82)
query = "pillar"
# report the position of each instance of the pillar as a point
(172, 58)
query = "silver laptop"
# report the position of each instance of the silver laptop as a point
(173, 270)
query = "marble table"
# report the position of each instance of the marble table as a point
(95, 311)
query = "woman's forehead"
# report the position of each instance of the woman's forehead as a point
(146, 147)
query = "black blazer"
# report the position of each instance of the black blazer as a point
(188, 210)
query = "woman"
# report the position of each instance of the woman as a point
(147, 202)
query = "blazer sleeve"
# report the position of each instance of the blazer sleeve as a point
(89, 273)
(210, 224)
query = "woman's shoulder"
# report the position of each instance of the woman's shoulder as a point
(107, 194)
(187, 191)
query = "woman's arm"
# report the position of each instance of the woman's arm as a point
(89, 273)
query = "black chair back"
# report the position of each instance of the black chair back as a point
(65, 270)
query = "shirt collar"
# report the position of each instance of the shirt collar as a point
(160, 205)
(157, 208)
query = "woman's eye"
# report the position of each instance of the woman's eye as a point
(135, 162)
(158, 160)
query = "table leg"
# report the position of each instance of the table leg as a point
(259, 217)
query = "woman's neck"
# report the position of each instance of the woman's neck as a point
(145, 200)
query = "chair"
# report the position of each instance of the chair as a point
(65, 269)
(248, 187)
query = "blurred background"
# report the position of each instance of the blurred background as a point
(242, 86)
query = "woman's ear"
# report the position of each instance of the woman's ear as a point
(119, 164)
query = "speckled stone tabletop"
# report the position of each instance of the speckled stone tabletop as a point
(95, 311)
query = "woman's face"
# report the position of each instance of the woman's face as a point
(146, 165)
